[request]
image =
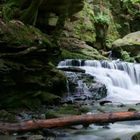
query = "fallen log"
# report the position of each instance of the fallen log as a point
(71, 120)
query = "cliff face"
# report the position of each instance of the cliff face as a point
(101, 22)
(86, 29)
(28, 77)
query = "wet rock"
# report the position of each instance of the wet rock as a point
(102, 103)
(132, 109)
(83, 86)
(117, 139)
(22, 138)
(136, 136)
(72, 69)
(36, 137)
(54, 133)
(98, 91)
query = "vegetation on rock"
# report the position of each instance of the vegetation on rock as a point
(26, 53)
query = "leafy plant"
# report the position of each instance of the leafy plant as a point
(102, 19)
(132, 1)
(132, 6)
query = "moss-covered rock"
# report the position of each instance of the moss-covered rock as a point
(73, 48)
(81, 25)
(66, 110)
(7, 116)
(137, 58)
(136, 136)
(27, 78)
(99, 24)
(128, 48)
(129, 43)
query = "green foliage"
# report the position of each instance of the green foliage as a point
(132, 6)
(131, 1)
(136, 136)
(16, 33)
(66, 110)
(102, 18)
(83, 28)
(11, 9)
(126, 56)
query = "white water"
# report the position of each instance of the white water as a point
(121, 78)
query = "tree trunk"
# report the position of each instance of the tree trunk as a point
(71, 120)
(29, 16)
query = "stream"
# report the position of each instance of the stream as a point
(122, 80)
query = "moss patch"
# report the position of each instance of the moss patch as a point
(66, 110)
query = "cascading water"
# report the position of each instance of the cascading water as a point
(122, 79)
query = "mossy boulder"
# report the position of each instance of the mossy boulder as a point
(137, 58)
(27, 77)
(129, 43)
(73, 48)
(127, 48)
(136, 136)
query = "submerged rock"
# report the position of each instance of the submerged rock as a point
(83, 87)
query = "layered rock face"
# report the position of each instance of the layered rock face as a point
(84, 87)
(27, 78)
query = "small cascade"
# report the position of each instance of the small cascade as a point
(122, 79)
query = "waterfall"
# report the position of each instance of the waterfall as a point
(122, 79)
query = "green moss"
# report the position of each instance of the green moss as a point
(49, 98)
(7, 116)
(83, 27)
(31, 103)
(73, 55)
(16, 33)
(83, 54)
(66, 110)
(137, 58)
(102, 18)
(136, 136)
(126, 56)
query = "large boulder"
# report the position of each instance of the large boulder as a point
(128, 48)
(82, 86)
(73, 48)
(129, 43)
